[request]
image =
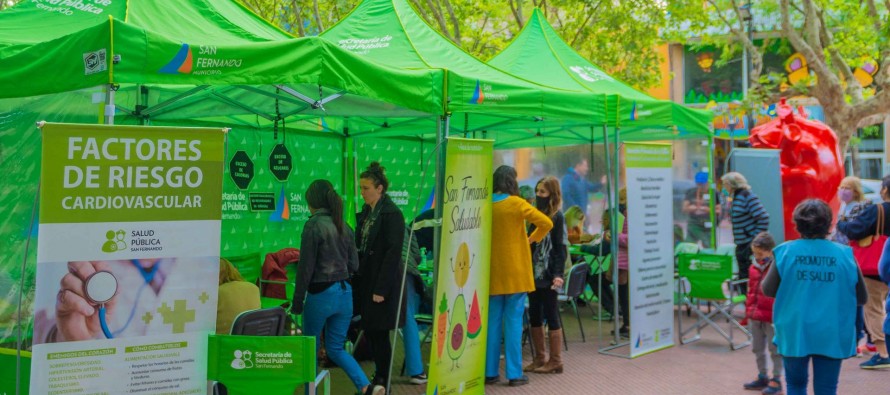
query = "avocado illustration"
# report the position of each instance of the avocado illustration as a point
(474, 323)
(458, 329)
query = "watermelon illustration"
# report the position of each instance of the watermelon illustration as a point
(458, 328)
(474, 322)
(442, 326)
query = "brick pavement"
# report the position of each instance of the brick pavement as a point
(705, 367)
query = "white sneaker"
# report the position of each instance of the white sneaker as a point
(378, 390)
(418, 379)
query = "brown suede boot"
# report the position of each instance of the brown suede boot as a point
(540, 357)
(554, 365)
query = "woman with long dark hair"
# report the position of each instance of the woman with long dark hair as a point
(548, 265)
(328, 259)
(511, 274)
(380, 235)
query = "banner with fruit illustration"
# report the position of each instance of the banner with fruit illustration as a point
(457, 359)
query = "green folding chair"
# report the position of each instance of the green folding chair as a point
(707, 277)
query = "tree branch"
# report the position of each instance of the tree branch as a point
(876, 104)
(873, 13)
(739, 34)
(440, 18)
(422, 11)
(516, 9)
(297, 20)
(838, 61)
(317, 16)
(454, 22)
(590, 15)
(814, 60)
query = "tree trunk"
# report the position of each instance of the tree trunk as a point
(844, 127)
(854, 161)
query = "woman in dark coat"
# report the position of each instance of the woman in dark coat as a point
(379, 237)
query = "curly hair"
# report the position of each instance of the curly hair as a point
(812, 218)
(375, 173)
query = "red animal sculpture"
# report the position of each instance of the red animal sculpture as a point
(812, 167)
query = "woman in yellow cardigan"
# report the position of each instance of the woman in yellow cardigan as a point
(511, 275)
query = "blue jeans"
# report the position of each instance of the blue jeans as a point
(332, 310)
(505, 314)
(825, 374)
(413, 360)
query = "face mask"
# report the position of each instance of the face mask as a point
(764, 261)
(622, 208)
(542, 203)
(845, 195)
(724, 192)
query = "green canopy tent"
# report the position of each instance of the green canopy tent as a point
(127, 63)
(538, 53)
(479, 99)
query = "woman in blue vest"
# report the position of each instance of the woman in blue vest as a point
(817, 286)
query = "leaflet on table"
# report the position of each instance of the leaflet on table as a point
(128, 259)
(650, 247)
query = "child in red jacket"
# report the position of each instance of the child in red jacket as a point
(759, 312)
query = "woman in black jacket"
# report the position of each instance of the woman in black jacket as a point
(328, 259)
(379, 236)
(548, 265)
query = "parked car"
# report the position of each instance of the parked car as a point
(872, 190)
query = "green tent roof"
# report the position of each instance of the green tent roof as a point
(49, 49)
(390, 31)
(538, 53)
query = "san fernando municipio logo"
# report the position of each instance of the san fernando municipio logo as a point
(181, 63)
(205, 60)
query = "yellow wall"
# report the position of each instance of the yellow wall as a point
(662, 90)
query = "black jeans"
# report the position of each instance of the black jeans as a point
(542, 304)
(607, 302)
(381, 351)
(743, 256)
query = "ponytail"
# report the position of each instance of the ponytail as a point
(321, 194)
(335, 206)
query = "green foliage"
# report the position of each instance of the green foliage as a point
(7, 3)
(850, 30)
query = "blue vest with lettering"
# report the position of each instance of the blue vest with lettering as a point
(815, 309)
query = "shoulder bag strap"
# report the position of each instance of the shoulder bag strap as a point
(879, 229)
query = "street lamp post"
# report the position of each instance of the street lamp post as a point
(745, 13)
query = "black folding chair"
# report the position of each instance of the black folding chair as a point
(572, 289)
(261, 322)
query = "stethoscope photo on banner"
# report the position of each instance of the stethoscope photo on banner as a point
(101, 286)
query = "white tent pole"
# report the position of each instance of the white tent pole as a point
(108, 110)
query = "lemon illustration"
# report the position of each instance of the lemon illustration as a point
(461, 265)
